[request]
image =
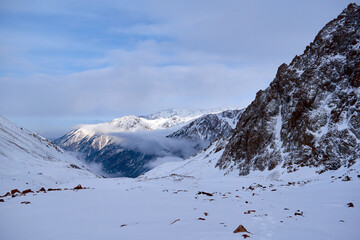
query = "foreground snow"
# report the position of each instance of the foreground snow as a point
(169, 207)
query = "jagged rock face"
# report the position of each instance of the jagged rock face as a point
(310, 113)
(209, 127)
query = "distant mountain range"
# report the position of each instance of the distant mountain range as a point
(121, 146)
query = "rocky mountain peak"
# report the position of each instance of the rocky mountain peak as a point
(310, 113)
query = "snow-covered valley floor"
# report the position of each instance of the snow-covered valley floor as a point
(171, 208)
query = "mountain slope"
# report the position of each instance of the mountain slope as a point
(28, 160)
(125, 146)
(209, 127)
(310, 113)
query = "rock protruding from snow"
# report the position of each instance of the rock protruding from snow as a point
(310, 113)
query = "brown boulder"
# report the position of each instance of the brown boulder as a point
(78, 187)
(14, 191)
(350, 204)
(42, 190)
(26, 191)
(240, 228)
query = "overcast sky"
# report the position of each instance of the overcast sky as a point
(68, 62)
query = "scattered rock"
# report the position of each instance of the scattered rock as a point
(205, 193)
(273, 190)
(205, 213)
(25, 202)
(2, 200)
(249, 211)
(299, 213)
(245, 236)
(14, 191)
(203, 219)
(7, 194)
(123, 225)
(175, 221)
(74, 166)
(26, 191)
(286, 209)
(212, 200)
(341, 220)
(350, 204)
(42, 190)
(346, 178)
(78, 187)
(240, 228)
(54, 189)
(246, 202)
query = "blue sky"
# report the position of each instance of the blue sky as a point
(69, 62)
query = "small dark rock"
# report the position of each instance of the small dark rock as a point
(2, 200)
(26, 191)
(203, 219)
(78, 187)
(346, 178)
(14, 191)
(205, 193)
(350, 204)
(245, 236)
(25, 202)
(240, 228)
(42, 190)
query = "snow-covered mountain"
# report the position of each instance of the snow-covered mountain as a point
(209, 127)
(310, 113)
(29, 160)
(122, 145)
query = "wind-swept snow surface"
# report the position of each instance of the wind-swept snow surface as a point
(270, 205)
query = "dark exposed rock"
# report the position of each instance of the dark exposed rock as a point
(14, 191)
(26, 191)
(209, 127)
(25, 202)
(205, 193)
(240, 228)
(310, 113)
(78, 187)
(350, 204)
(6, 194)
(245, 236)
(42, 190)
(54, 189)
(2, 200)
(202, 219)
(346, 178)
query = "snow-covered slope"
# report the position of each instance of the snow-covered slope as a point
(209, 127)
(29, 160)
(192, 202)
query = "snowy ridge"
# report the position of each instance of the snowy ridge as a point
(29, 160)
(210, 126)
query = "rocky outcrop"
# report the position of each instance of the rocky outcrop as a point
(310, 113)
